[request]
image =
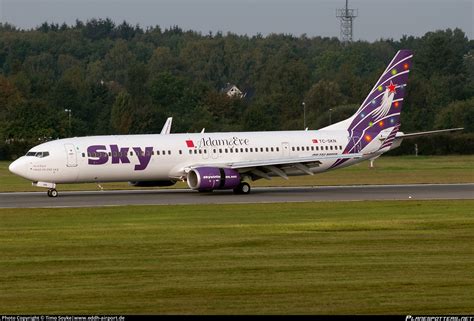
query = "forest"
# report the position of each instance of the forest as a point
(98, 77)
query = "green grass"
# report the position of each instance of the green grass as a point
(388, 170)
(397, 257)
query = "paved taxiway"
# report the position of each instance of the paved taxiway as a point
(258, 195)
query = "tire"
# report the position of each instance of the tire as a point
(245, 188)
(53, 193)
(242, 188)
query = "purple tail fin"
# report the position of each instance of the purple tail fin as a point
(381, 110)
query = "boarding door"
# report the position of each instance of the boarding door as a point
(285, 149)
(356, 141)
(71, 155)
(205, 153)
(214, 152)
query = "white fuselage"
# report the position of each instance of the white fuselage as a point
(165, 157)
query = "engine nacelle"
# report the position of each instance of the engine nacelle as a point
(210, 178)
(152, 183)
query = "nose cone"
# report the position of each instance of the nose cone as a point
(18, 167)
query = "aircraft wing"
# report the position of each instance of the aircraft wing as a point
(289, 160)
(278, 166)
(412, 135)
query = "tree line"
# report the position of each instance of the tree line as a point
(98, 77)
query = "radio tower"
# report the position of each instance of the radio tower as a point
(347, 17)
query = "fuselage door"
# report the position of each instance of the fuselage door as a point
(214, 152)
(356, 142)
(285, 149)
(205, 153)
(71, 155)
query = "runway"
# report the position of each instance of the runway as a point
(258, 195)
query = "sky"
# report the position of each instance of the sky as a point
(376, 18)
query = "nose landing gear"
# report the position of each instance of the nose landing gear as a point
(52, 192)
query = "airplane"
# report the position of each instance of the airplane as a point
(228, 160)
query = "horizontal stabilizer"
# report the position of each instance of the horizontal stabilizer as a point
(412, 135)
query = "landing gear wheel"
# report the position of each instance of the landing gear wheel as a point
(52, 192)
(242, 188)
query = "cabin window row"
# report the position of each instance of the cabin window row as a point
(236, 150)
(119, 154)
(220, 150)
(315, 148)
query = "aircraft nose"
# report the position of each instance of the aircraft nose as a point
(13, 168)
(17, 167)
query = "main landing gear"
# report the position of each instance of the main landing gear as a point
(52, 192)
(242, 188)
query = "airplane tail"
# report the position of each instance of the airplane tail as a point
(379, 115)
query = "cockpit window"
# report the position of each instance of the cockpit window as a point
(38, 154)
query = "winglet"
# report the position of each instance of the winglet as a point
(167, 126)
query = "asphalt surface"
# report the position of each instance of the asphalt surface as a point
(258, 195)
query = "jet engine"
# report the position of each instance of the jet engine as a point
(152, 183)
(211, 178)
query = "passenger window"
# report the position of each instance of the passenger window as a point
(271, 149)
(246, 150)
(278, 149)
(241, 150)
(180, 152)
(330, 147)
(317, 148)
(251, 150)
(312, 148)
(292, 149)
(297, 148)
(200, 151)
(158, 153)
(83, 155)
(205, 151)
(220, 150)
(225, 150)
(131, 153)
(169, 152)
(190, 151)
